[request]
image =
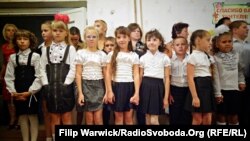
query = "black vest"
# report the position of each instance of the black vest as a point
(24, 77)
(60, 98)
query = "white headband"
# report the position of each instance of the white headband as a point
(221, 29)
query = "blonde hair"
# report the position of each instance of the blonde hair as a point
(48, 23)
(5, 28)
(61, 25)
(87, 29)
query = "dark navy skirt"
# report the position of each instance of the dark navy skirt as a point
(205, 93)
(151, 96)
(123, 91)
(230, 104)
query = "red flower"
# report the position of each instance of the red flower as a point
(62, 17)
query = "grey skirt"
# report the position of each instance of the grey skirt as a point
(93, 91)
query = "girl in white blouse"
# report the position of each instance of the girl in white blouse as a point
(90, 70)
(229, 78)
(58, 74)
(154, 70)
(201, 101)
(22, 82)
(123, 78)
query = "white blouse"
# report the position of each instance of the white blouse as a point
(125, 62)
(56, 55)
(154, 64)
(92, 63)
(228, 72)
(201, 63)
(179, 71)
(23, 59)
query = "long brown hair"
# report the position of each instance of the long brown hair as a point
(119, 30)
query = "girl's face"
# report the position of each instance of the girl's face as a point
(91, 39)
(109, 46)
(184, 33)
(180, 46)
(46, 32)
(225, 43)
(23, 43)
(59, 35)
(135, 35)
(74, 39)
(10, 31)
(204, 43)
(153, 44)
(122, 41)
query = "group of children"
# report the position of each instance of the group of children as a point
(121, 75)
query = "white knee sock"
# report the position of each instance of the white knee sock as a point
(53, 137)
(33, 127)
(234, 124)
(24, 124)
(221, 123)
(48, 139)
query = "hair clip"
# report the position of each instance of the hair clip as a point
(221, 29)
(62, 17)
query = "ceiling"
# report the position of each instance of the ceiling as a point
(42, 3)
(38, 7)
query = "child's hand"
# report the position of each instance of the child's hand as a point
(196, 102)
(165, 103)
(80, 99)
(219, 99)
(242, 87)
(20, 96)
(105, 98)
(170, 99)
(25, 94)
(14, 94)
(111, 97)
(135, 99)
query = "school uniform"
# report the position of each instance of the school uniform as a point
(203, 82)
(228, 76)
(22, 75)
(123, 82)
(92, 78)
(58, 74)
(179, 91)
(152, 88)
